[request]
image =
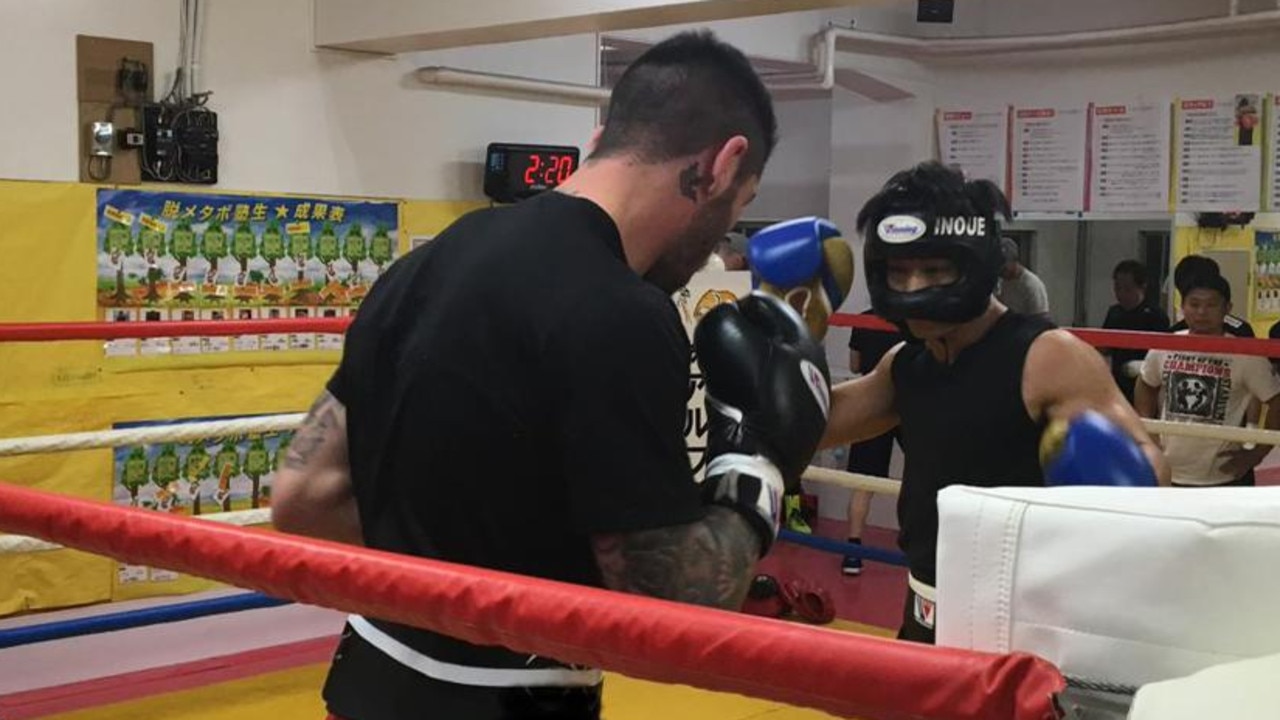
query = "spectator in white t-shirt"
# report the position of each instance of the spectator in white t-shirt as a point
(1207, 388)
(1020, 290)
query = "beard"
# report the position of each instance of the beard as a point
(689, 250)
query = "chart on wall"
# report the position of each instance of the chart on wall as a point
(200, 477)
(183, 256)
(1129, 158)
(1048, 159)
(1273, 152)
(976, 141)
(1219, 153)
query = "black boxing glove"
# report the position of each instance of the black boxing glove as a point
(768, 394)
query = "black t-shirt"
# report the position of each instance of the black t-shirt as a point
(1233, 325)
(871, 345)
(963, 423)
(512, 388)
(1143, 318)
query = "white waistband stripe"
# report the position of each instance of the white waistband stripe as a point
(466, 674)
(928, 592)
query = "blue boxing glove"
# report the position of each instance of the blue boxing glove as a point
(806, 263)
(1091, 450)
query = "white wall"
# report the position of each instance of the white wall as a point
(870, 140)
(779, 37)
(299, 120)
(797, 179)
(292, 119)
(977, 18)
(38, 133)
(1053, 259)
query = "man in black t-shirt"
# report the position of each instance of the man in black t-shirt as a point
(973, 390)
(1131, 312)
(513, 396)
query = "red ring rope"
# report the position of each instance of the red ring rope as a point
(48, 332)
(1107, 338)
(642, 637)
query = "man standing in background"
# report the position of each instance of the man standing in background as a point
(869, 457)
(1207, 388)
(1131, 312)
(1185, 271)
(1020, 290)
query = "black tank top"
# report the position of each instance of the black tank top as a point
(963, 423)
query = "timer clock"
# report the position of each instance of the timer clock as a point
(514, 172)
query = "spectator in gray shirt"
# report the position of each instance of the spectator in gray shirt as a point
(1020, 289)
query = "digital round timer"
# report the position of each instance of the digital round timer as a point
(515, 172)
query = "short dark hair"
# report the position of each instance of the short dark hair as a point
(685, 94)
(1191, 266)
(1133, 269)
(941, 188)
(1207, 281)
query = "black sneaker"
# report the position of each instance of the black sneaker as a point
(852, 565)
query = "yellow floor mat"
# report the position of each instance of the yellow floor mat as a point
(295, 694)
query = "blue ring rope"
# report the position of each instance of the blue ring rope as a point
(865, 552)
(127, 619)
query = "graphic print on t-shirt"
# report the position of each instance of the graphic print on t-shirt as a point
(1198, 388)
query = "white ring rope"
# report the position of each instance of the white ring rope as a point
(1241, 435)
(178, 432)
(276, 423)
(149, 435)
(853, 481)
(22, 544)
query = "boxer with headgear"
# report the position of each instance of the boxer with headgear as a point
(975, 387)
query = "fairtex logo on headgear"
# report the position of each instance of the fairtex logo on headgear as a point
(960, 226)
(898, 229)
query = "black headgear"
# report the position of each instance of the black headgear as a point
(930, 211)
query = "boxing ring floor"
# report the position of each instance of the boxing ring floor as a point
(284, 680)
(294, 693)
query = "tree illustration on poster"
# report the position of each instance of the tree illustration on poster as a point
(257, 462)
(300, 251)
(151, 246)
(282, 451)
(182, 245)
(328, 250)
(381, 248)
(227, 464)
(119, 244)
(272, 249)
(170, 476)
(197, 467)
(244, 247)
(164, 476)
(134, 474)
(214, 247)
(355, 250)
(175, 250)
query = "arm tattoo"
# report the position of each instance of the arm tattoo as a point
(710, 562)
(320, 423)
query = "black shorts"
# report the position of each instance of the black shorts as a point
(871, 457)
(912, 630)
(365, 684)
